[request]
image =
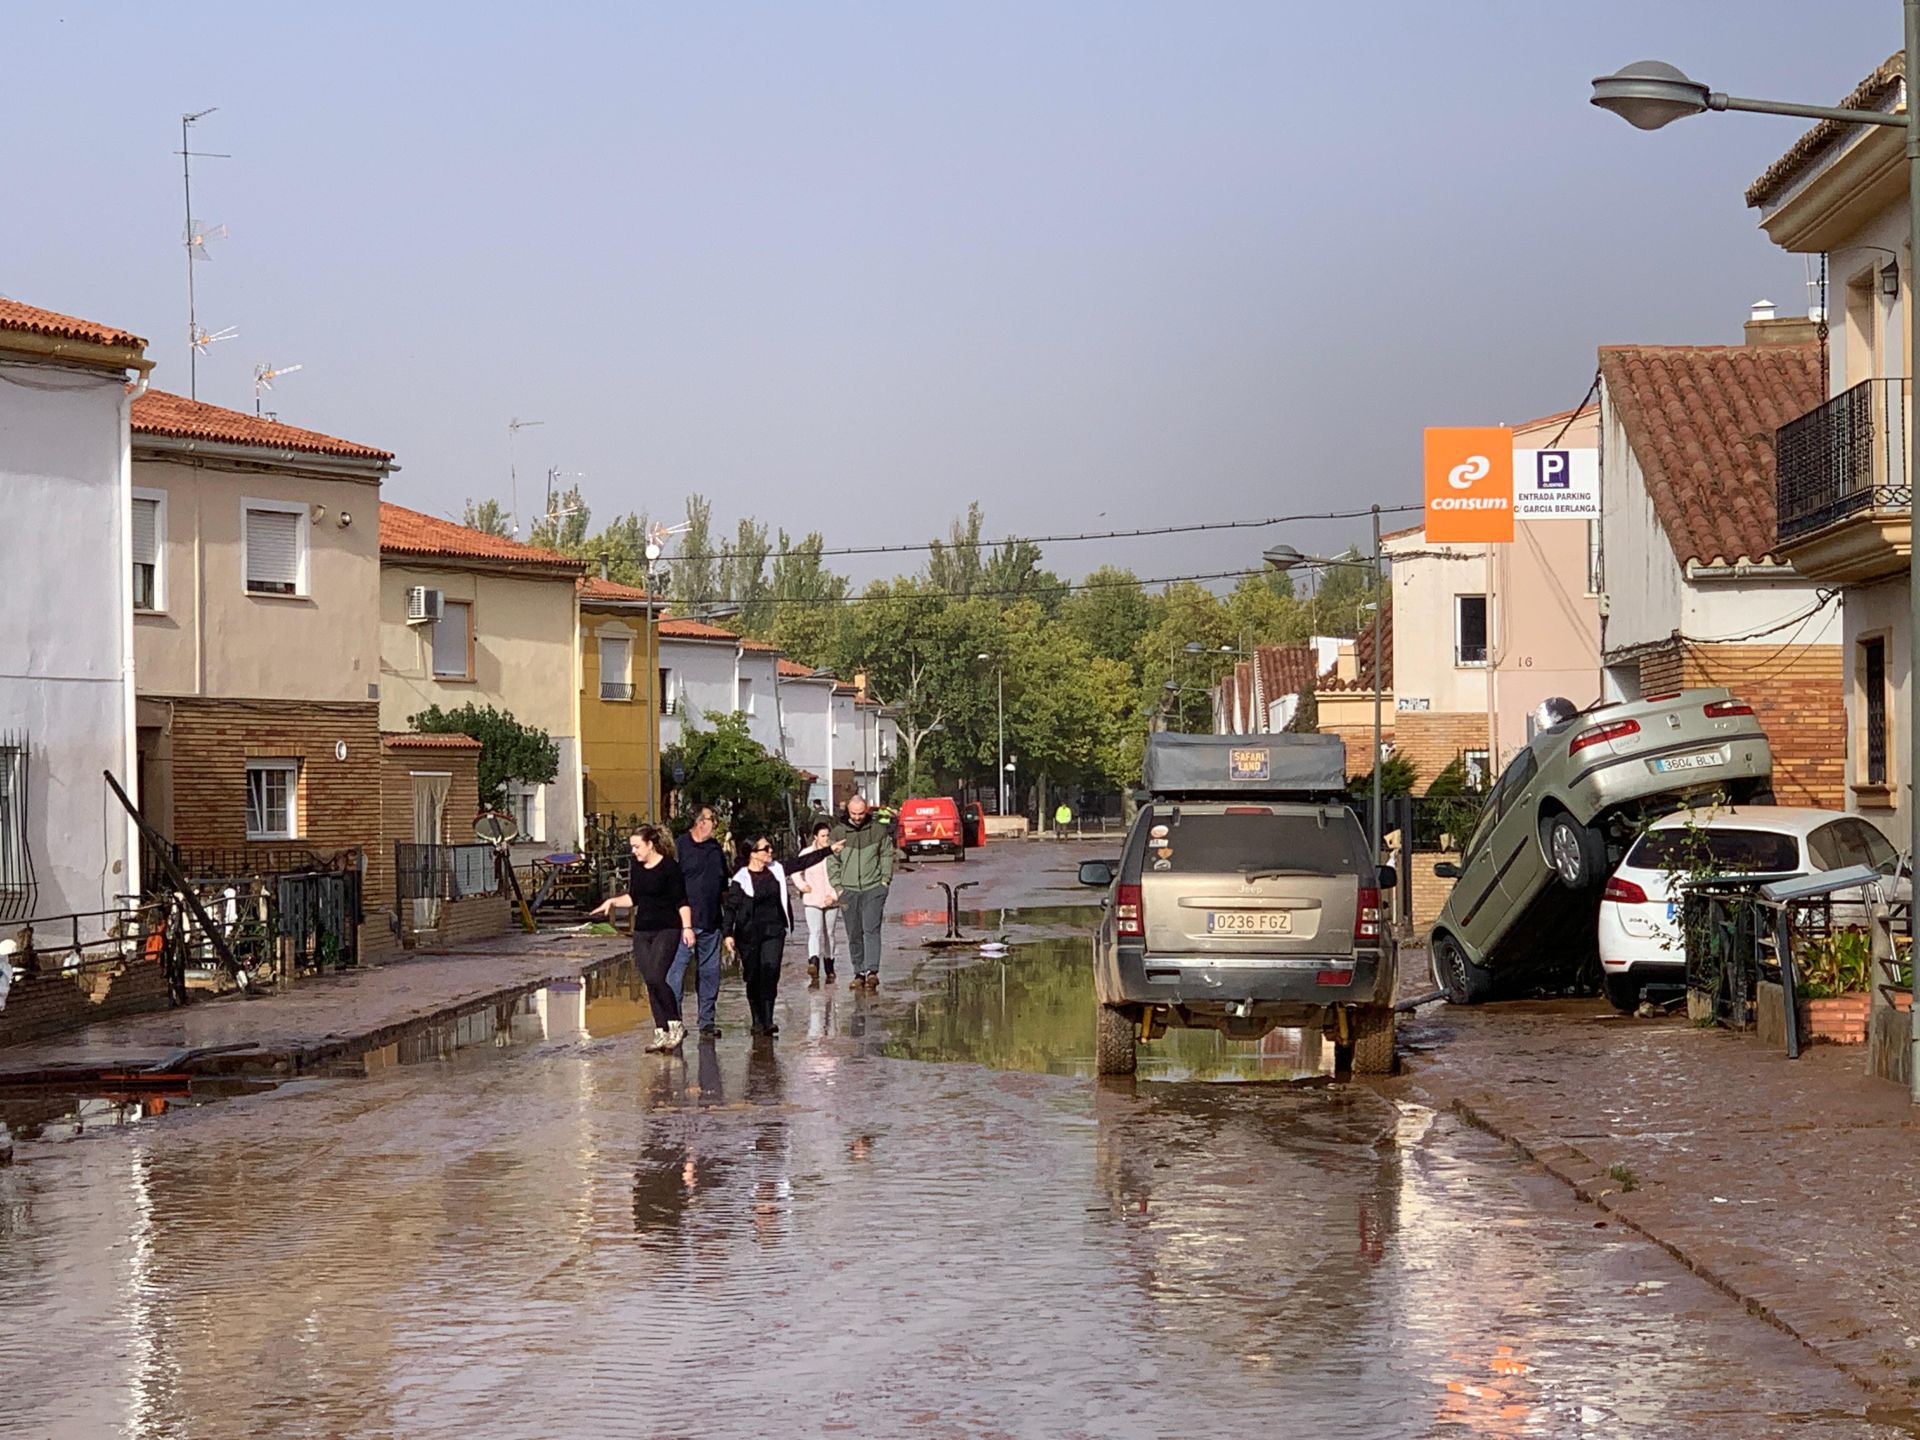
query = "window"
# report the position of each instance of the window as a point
(453, 641)
(616, 680)
(149, 541)
(668, 705)
(1849, 842)
(528, 806)
(275, 546)
(17, 888)
(1469, 629)
(273, 788)
(746, 697)
(1478, 764)
(1689, 847)
(1873, 709)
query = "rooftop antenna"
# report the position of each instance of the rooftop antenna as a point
(197, 237)
(203, 340)
(514, 427)
(557, 513)
(265, 375)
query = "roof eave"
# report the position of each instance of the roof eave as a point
(1837, 193)
(148, 445)
(522, 569)
(94, 354)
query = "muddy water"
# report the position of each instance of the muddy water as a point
(559, 1235)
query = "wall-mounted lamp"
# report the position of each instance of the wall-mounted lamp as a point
(1890, 280)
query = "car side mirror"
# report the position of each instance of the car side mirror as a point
(1387, 878)
(1447, 870)
(1097, 873)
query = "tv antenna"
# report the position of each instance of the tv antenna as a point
(204, 340)
(265, 375)
(197, 237)
(557, 512)
(514, 427)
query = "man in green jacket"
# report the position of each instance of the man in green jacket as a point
(861, 872)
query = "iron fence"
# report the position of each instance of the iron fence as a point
(1844, 457)
(18, 888)
(281, 909)
(92, 946)
(444, 872)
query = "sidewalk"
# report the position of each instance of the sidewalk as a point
(1790, 1185)
(319, 1020)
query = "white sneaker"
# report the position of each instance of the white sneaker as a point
(676, 1033)
(659, 1041)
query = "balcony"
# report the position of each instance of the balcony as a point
(1844, 498)
(614, 690)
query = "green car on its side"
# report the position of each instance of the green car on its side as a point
(1526, 894)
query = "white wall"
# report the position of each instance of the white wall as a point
(806, 708)
(704, 675)
(66, 656)
(754, 678)
(1423, 624)
(1640, 578)
(1881, 609)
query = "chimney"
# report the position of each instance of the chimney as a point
(603, 567)
(860, 684)
(1765, 327)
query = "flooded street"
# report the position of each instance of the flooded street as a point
(911, 1214)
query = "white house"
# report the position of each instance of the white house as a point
(701, 674)
(806, 723)
(69, 553)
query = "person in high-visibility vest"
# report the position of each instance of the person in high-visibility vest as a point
(1063, 817)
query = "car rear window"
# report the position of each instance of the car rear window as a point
(1684, 848)
(1213, 843)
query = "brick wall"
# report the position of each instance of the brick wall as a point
(1431, 739)
(460, 920)
(41, 1005)
(1799, 694)
(210, 742)
(1662, 670)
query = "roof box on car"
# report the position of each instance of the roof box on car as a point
(1245, 765)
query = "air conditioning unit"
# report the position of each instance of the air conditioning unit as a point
(425, 606)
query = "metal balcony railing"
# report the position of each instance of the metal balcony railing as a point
(614, 690)
(1848, 456)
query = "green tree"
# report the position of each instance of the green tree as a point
(622, 546)
(695, 569)
(954, 565)
(1341, 604)
(743, 578)
(1110, 612)
(488, 517)
(805, 604)
(1397, 777)
(750, 788)
(565, 526)
(1065, 705)
(509, 751)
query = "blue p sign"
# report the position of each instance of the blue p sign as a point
(1552, 471)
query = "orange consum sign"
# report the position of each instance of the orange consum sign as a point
(1469, 472)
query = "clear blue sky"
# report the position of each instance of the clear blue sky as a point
(847, 266)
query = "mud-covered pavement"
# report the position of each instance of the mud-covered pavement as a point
(910, 1214)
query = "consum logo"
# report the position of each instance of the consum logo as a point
(1469, 475)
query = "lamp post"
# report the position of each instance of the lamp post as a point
(1649, 94)
(1284, 558)
(1000, 706)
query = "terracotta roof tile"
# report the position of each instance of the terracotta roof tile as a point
(794, 671)
(32, 320)
(1872, 93)
(592, 587)
(159, 413)
(407, 740)
(408, 532)
(675, 628)
(1363, 658)
(1700, 419)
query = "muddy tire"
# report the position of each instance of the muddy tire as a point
(1113, 1052)
(1465, 982)
(1372, 1029)
(1577, 853)
(1623, 992)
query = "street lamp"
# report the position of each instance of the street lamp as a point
(1000, 705)
(1650, 94)
(1284, 558)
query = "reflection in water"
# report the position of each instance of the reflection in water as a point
(1034, 1010)
(666, 1181)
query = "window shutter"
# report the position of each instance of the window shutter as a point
(450, 647)
(613, 660)
(146, 515)
(273, 551)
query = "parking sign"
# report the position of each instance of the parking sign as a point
(1556, 484)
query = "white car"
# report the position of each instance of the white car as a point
(1640, 942)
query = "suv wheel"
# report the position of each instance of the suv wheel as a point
(1113, 1042)
(1371, 1050)
(1465, 982)
(1576, 852)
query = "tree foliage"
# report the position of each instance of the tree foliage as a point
(487, 516)
(749, 787)
(509, 751)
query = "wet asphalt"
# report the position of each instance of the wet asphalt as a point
(913, 1213)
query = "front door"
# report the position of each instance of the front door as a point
(429, 828)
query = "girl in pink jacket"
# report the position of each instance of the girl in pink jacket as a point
(821, 902)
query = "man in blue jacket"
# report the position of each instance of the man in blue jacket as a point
(703, 864)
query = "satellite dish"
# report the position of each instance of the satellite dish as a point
(496, 828)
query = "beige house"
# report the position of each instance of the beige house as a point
(256, 584)
(1843, 495)
(1484, 633)
(467, 617)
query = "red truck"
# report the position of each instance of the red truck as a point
(932, 827)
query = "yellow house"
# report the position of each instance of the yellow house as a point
(619, 700)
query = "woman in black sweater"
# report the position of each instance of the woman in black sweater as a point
(662, 922)
(756, 915)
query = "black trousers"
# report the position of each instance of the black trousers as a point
(653, 952)
(760, 966)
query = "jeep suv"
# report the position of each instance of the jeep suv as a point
(1241, 914)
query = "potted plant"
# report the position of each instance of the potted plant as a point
(1832, 996)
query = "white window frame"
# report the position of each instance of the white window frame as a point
(159, 499)
(301, 588)
(519, 790)
(291, 769)
(626, 668)
(669, 691)
(743, 688)
(433, 641)
(1486, 636)
(1480, 760)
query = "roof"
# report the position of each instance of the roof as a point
(1284, 669)
(1873, 93)
(408, 532)
(1559, 417)
(1363, 658)
(593, 587)
(794, 671)
(1403, 534)
(1701, 419)
(159, 413)
(409, 740)
(676, 628)
(32, 320)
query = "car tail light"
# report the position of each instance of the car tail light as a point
(1366, 918)
(1248, 810)
(1126, 911)
(1721, 709)
(1333, 977)
(1661, 699)
(1599, 734)
(1623, 892)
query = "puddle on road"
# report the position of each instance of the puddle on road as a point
(1033, 1009)
(49, 1115)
